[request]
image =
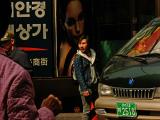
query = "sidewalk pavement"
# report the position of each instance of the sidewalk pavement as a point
(69, 116)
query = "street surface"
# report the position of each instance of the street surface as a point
(69, 116)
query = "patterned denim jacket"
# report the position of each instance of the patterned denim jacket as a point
(84, 69)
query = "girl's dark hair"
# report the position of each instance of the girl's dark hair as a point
(63, 32)
(5, 13)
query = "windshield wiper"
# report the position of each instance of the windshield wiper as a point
(151, 55)
(139, 59)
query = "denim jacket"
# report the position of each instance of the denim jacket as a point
(84, 69)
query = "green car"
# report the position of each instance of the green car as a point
(130, 83)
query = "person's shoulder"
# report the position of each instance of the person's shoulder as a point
(92, 50)
(9, 64)
(10, 70)
(77, 56)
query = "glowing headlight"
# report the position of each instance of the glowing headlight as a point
(104, 89)
(157, 93)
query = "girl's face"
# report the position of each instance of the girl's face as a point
(83, 45)
(74, 22)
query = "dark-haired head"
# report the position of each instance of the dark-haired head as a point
(5, 13)
(73, 20)
(86, 37)
(63, 5)
(83, 44)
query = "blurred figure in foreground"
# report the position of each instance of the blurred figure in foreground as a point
(16, 87)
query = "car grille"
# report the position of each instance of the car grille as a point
(143, 93)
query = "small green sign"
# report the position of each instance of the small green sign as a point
(126, 109)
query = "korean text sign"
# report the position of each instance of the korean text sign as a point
(31, 23)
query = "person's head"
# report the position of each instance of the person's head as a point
(74, 19)
(7, 42)
(83, 44)
(5, 13)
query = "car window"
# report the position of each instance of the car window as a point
(146, 43)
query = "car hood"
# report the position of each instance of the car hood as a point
(138, 76)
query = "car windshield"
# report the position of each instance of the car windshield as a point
(146, 41)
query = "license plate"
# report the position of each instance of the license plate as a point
(126, 109)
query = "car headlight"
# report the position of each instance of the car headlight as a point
(104, 89)
(157, 93)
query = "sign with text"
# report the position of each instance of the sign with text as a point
(31, 23)
(126, 109)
